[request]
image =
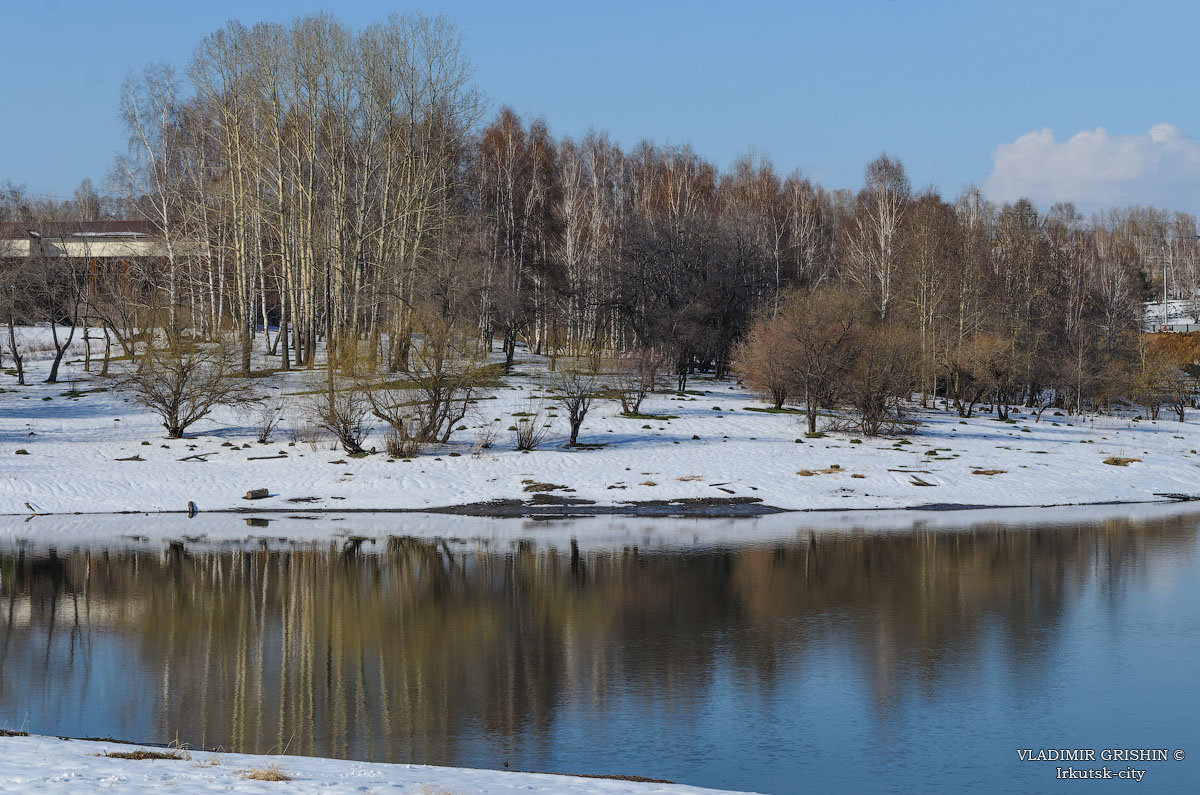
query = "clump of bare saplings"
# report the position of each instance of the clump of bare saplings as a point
(447, 371)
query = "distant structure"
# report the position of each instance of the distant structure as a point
(80, 239)
(1174, 317)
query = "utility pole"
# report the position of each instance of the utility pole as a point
(1166, 320)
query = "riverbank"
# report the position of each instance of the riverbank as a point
(77, 446)
(50, 764)
(373, 532)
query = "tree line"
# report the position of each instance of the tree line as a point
(317, 189)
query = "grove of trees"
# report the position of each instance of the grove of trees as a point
(324, 191)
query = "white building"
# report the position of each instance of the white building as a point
(80, 239)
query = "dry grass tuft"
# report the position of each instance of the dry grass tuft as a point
(268, 773)
(1118, 461)
(142, 755)
(989, 471)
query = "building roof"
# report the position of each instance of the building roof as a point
(58, 229)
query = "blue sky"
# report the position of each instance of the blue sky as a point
(822, 86)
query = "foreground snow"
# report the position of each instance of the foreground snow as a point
(718, 445)
(54, 765)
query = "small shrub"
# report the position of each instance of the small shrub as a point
(485, 437)
(530, 432)
(400, 443)
(21, 451)
(266, 415)
(344, 414)
(636, 377)
(303, 431)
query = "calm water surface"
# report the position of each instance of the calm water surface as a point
(914, 660)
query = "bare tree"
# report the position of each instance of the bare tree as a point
(873, 239)
(821, 330)
(638, 373)
(56, 296)
(184, 381)
(576, 388)
(882, 378)
(15, 278)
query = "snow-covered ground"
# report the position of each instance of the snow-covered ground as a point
(48, 764)
(713, 443)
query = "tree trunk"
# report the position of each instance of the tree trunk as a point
(59, 352)
(16, 356)
(811, 410)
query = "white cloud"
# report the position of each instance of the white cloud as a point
(1095, 168)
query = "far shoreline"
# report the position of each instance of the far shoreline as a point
(566, 508)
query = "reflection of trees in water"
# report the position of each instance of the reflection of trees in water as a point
(411, 652)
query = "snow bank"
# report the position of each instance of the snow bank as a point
(48, 764)
(87, 449)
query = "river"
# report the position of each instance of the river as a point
(824, 655)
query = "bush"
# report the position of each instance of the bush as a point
(881, 378)
(485, 437)
(637, 375)
(399, 444)
(184, 382)
(344, 414)
(266, 415)
(804, 350)
(303, 431)
(530, 431)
